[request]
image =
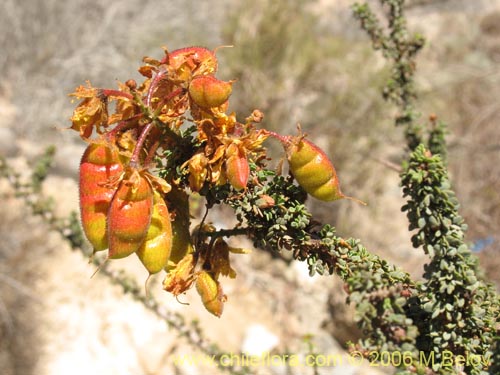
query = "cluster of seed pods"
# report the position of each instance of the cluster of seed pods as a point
(126, 208)
(121, 211)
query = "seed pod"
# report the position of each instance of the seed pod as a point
(209, 92)
(237, 168)
(100, 165)
(129, 216)
(181, 237)
(155, 250)
(313, 170)
(211, 293)
(181, 240)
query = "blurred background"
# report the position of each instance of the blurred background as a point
(303, 62)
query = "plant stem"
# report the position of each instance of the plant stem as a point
(154, 85)
(122, 125)
(116, 93)
(166, 99)
(134, 160)
(226, 232)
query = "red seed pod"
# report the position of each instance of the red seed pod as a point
(237, 168)
(100, 165)
(211, 293)
(209, 92)
(129, 215)
(155, 250)
(313, 170)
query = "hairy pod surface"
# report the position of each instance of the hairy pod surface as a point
(209, 92)
(129, 216)
(155, 250)
(211, 293)
(313, 170)
(99, 166)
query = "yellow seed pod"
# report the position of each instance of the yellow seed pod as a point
(211, 293)
(155, 250)
(313, 170)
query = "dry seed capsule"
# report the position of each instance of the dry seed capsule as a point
(155, 250)
(193, 58)
(181, 277)
(100, 165)
(129, 216)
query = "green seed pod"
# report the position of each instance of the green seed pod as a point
(155, 250)
(181, 237)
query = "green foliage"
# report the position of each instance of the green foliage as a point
(42, 167)
(495, 358)
(432, 207)
(400, 48)
(378, 289)
(453, 309)
(460, 309)
(436, 141)
(280, 225)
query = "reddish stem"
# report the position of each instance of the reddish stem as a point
(154, 84)
(116, 93)
(167, 98)
(151, 153)
(285, 139)
(134, 160)
(122, 125)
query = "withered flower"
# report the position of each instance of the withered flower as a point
(91, 112)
